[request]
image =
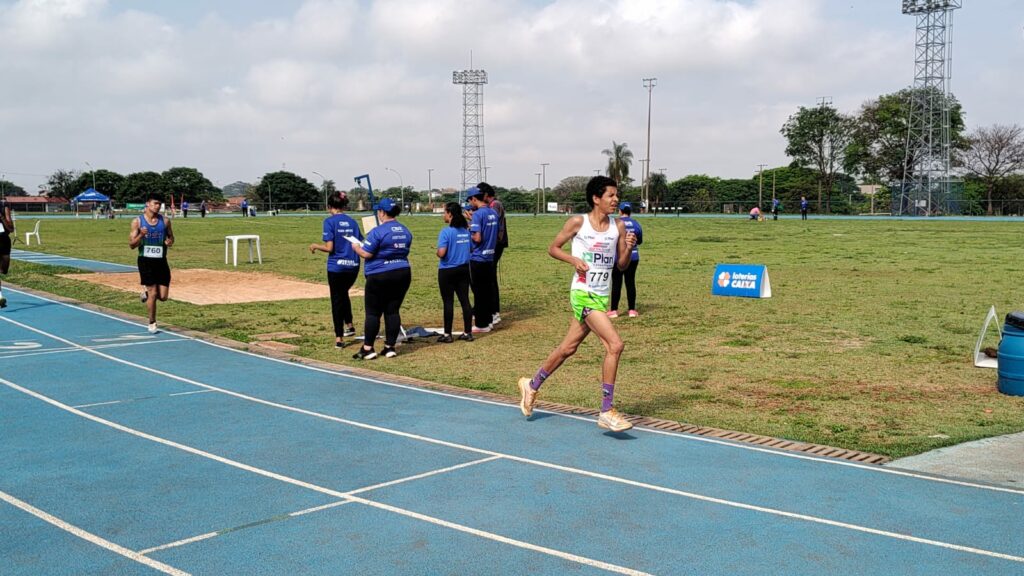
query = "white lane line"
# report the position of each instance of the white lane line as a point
(321, 489)
(190, 393)
(680, 435)
(209, 535)
(90, 537)
(66, 350)
(100, 404)
(199, 538)
(568, 469)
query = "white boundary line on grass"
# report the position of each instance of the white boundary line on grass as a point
(90, 537)
(680, 435)
(323, 490)
(540, 463)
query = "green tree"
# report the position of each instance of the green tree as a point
(60, 184)
(620, 158)
(283, 188)
(658, 189)
(570, 189)
(135, 187)
(238, 188)
(107, 182)
(993, 154)
(190, 184)
(878, 149)
(8, 188)
(818, 138)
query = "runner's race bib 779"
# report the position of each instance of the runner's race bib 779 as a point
(152, 251)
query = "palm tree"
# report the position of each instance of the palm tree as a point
(619, 159)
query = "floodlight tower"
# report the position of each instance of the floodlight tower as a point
(473, 160)
(925, 188)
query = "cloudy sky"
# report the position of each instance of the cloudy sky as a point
(238, 88)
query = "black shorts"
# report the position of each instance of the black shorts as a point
(5, 244)
(154, 272)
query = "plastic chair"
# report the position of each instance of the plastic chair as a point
(34, 232)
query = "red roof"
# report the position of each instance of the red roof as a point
(34, 200)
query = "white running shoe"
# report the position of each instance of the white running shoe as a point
(612, 420)
(527, 396)
(495, 318)
(483, 330)
(152, 328)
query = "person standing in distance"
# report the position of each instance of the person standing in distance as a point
(388, 276)
(776, 206)
(202, 209)
(245, 207)
(803, 208)
(483, 230)
(152, 235)
(499, 247)
(632, 226)
(184, 208)
(599, 243)
(6, 233)
(342, 263)
(453, 244)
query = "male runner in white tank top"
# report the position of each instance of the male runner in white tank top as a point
(599, 243)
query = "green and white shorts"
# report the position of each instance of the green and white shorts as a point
(583, 303)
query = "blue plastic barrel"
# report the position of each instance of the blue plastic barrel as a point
(1011, 355)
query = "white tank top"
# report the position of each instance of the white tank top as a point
(598, 250)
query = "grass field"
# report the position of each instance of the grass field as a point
(865, 343)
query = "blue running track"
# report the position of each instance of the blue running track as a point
(123, 452)
(80, 263)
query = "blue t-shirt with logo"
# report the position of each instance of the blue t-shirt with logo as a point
(634, 227)
(343, 258)
(389, 243)
(485, 221)
(457, 242)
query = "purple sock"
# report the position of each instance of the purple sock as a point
(539, 378)
(608, 392)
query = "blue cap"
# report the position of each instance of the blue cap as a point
(385, 204)
(474, 192)
(625, 206)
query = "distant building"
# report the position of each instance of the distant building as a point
(36, 203)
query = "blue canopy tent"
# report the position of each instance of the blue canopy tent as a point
(90, 195)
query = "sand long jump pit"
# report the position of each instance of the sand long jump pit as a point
(202, 286)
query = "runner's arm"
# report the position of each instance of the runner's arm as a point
(325, 247)
(557, 248)
(136, 235)
(169, 234)
(9, 221)
(625, 248)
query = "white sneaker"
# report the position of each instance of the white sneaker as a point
(612, 420)
(483, 330)
(152, 328)
(495, 318)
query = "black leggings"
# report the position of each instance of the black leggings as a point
(630, 275)
(384, 294)
(483, 279)
(341, 306)
(452, 282)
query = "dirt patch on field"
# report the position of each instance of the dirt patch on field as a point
(201, 286)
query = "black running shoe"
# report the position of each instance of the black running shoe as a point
(445, 339)
(466, 336)
(339, 344)
(350, 331)
(389, 352)
(364, 354)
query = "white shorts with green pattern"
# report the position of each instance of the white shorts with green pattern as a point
(583, 303)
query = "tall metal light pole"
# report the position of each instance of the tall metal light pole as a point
(649, 83)
(93, 171)
(430, 187)
(323, 186)
(760, 183)
(544, 184)
(540, 207)
(401, 183)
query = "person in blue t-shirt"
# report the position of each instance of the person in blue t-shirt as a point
(245, 207)
(483, 275)
(453, 246)
(342, 264)
(776, 206)
(803, 208)
(388, 276)
(625, 215)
